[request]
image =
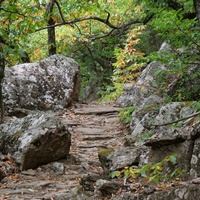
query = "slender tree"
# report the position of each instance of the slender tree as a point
(51, 28)
(2, 67)
(197, 9)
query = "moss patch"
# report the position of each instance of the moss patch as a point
(105, 152)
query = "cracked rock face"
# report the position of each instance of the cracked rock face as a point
(35, 140)
(50, 83)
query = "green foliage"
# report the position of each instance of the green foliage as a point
(150, 41)
(186, 83)
(196, 106)
(129, 61)
(182, 34)
(174, 26)
(126, 113)
(112, 58)
(111, 92)
(151, 172)
(115, 174)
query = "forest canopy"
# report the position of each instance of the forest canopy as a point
(113, 40)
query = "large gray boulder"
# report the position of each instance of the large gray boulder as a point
(50, 83)
(35, 140)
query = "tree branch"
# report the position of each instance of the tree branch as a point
(101, 36)
(3, 41)
(108, 17)
(175, 121)
(104, 21)
(59, 9)
(11, 11)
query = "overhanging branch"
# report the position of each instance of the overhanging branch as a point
(172, 122)
(104, 21)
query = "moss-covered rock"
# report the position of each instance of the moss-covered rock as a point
(112, 160)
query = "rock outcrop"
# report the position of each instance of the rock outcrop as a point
(50, 83)
(35, 140)
(160, 129)
(188, 191)
(145, 86)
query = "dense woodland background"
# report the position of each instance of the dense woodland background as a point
(112, 40)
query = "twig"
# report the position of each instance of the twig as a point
(108, 17)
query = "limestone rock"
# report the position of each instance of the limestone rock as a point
(145, 86)
(195, 161)
(144, 114)
(173, 111)
(148, 82)
(50, 83)
(107, 188)
(119, 158)
(167, 136)
(166, 47)
(79, 193)
(164, 135)
(183, 150)
(144, 118)
(35, 140)
(187, 191)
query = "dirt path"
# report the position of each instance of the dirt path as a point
(93, 128)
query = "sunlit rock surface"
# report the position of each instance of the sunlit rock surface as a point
(50, 83)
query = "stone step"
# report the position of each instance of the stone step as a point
(92, 129)
(96, 110)
(89, 131)
(92, 138)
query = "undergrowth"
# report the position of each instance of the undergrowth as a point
(153, 172)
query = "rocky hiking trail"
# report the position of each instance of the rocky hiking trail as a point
(93, 128)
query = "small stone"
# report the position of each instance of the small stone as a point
(29, 172)
(107, 187)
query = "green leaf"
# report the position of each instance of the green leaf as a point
(173, 158)
(114, 174)
(134, 167)
(143, 173)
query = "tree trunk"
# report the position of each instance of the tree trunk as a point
(2, 67)
(197, 9)
(51, 38)
(51, 30)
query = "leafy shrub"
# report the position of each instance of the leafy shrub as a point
(126, 113)
(150, 172)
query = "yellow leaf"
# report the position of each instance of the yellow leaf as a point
(159, 168)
